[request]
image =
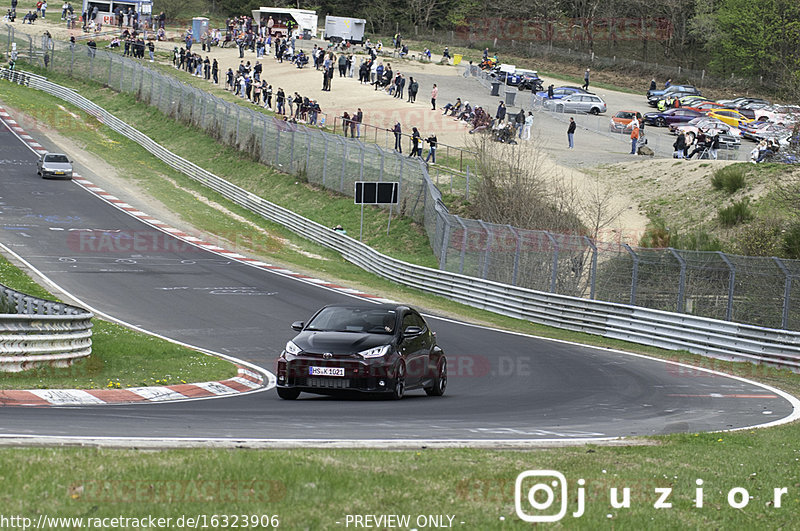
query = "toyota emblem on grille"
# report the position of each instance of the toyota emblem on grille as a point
(327, 355)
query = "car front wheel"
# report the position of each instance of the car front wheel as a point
(440, 380)
(399, 387)
(661, 122)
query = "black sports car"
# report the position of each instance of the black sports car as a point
(369, 348)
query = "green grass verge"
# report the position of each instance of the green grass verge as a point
(315, 489)
(120, 357)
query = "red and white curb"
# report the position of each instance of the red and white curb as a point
(179, 234)
(245, 381)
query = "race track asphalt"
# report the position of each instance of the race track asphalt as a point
(501, 385)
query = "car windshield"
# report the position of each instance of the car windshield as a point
(56, 158)
(354, 319)
(625, 115)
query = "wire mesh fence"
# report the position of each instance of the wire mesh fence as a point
(755, 290)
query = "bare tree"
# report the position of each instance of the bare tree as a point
(516, 188)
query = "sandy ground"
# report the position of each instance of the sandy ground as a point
(624, 219)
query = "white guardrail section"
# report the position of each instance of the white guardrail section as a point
(41, 332)
(708, 337)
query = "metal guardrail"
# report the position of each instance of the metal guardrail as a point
(673, 331)
(41, 332)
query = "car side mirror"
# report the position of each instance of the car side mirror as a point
(412, 331)
(297, 325)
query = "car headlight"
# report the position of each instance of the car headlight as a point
(375, 352)
(293, 349)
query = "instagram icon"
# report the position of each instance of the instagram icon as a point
(537, 493)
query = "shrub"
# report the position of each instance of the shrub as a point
(736, 213)
(730, 178)
(791, 242)
(762, 238)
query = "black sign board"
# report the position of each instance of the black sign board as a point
(372, 193)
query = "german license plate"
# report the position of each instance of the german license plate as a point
(326, 371)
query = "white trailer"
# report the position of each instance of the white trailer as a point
(338, 29)
(303, 21)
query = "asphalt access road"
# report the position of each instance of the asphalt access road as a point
(502, 385)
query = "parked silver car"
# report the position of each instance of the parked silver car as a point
(578, 103)
(54, 165)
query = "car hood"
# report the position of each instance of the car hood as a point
(339, 342)
(60, 166)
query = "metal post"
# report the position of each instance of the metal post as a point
(277, 145)
(361, 175)
(466, 193)
(325, 160)
(516, 254)
(344, 162)
(787, 292)
(263, 142)
(444, 245)
(237, 129)
(291, 150)
(554, 267)
(682, 281)
(110, 63)
(463, 245)
(361, 231)
(634, 274)
(731, 285)
(593, 274)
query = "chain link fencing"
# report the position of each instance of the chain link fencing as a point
(755, 290)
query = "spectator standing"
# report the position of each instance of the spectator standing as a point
(398, 137)
(519, 121)
(268, 97)
(586, 80)
(634, 136)
(280, 99)
(653, 85)
(714, 146)
(416, 150)
(151, 48)
(431, 140)
(571, 133)
(359, 117)
(345, 122)
(501, 112)
(353, 125)
(528, 125)
(680, 147)
(434, 95)
(215, 72)
(413, 87)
